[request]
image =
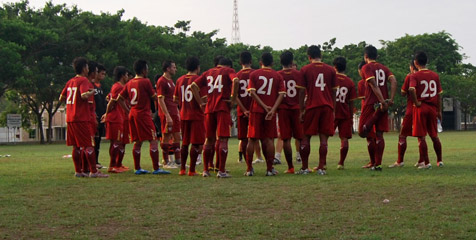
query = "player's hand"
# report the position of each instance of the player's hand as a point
(390, 102)
(384, 106)
(269, 115)
(103, 118)
(246, 113)
(418, 104)
(268, 109)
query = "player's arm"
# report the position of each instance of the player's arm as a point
(271, 113)
(110, 106)
(393, 88)
(236, 89)
(242, 107)
(168, 118)
(377, 92)
(258, 100)
(196, 94)
(122, 103)
(439, 107)
(87, 94)
(413, 96)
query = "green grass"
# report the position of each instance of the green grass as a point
(40, 198)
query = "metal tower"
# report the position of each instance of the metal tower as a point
(235, 33)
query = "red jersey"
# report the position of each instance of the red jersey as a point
(166, 88)
(116, 115)
(361, 92)
(189, 108)
(77, 109)
(405, 87)
(220, 82)
(319, 80)
(381, 74)
(138, 92)
(268, 84)
(293, 82)
(345, 93)
(427, 86)
(243, 94)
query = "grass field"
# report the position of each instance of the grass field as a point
(40, 198)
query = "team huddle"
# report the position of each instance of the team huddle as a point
(195, 113)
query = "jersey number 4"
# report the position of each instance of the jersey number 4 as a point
(320, 82)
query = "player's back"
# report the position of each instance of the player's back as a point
(117, 113)
(77, 109)
(427, 86)
(139, 91)
(381, 74)
(189, 108)
(268, 84)
(220, 82)
(292, 81)
(319, 80)
(345, 93)
(243, 94)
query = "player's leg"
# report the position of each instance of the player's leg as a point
(371, 148)
(76, 155)
(423, 147)
(379, 149)
(154, 155)
(322, 154)
(297, 145)
(268, 151)
(278, 150)
(194, 152)
(136, 152)
(97, 142)
(165, 146)
(240, 152)
(259, 157)
(217, 156)
(114, 151)
(438, 151)
(344, 149)
(176, 147)
(208, 152)
(305, 151)
(223, 153)
(288, 153)
(250, 149)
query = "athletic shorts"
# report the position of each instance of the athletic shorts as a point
(319, 120)
(259, 128)
(425, 121)
(406, 129)
(242, 124)
(114, 131)
(218, 124)
(94, 127)
(290, 124)
(141, 127)
(381, 125)
(175, 126)
(126, 137)
(345, 127)
(79, 134)
(193, 131)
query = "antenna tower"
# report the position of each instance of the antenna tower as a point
(235, 33)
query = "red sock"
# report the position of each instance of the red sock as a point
(120, 156)
(223, 153)
(84, 160)
(177, 152)
(437, 147)
(217, 153)
(322, 155)
(402, 147)
(249, 156)
(184, 156)
(194, 152)
(305, 151)
(423, 149)
(91, 158)
(208, 152)
(136, 155)
(371, 147)
(154, 154)
(344, 149)
(268, 154)
(288, 153)
(380, 147)
(165, 151)
(113, 153)
(76, 155)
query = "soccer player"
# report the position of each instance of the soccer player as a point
(320, 82)
(168, 113)
(406, 129)
(244, 103)
(425, 91)
(267, 90)
(289, 110)
(100, 104)
(93, 123)
(114, 119)
(344, 108)
(361, 86)
(377, 101)
(222, 90)
(191, 115)
(138, 93)
(76, 94)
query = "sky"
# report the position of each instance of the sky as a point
(291, 24)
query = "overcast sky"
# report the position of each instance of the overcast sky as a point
(283, 24)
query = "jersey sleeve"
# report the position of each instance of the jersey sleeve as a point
(201, 81)
(124, 93)
(64, 92)
(413, 82)
(438, 85)
(334, 82)
(232, 74)
(281, 84)
(367, 72)
(177, 92)
(252, 84)
(388, 73)
(406, 84)
(85, 86)
(299, 80)
(352, 91)
(161, 88)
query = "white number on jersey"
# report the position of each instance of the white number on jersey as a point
(244, 87)
(71, 95)
(214, 84)
(431, 85)
(341, 94)
(291, 88)
(266, 83)
(134, 96)
(187, 94)
(380, 77)
(320, 81)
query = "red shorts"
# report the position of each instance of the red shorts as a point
(126, 137)
(406, 129)
(218, 124)
(381, 125)
(260, 128)
(193, 131)
(175, 126)
(94, 127)
(79, 134)
(425, 121)
(290, 124)
(114, 131)
(319, 120)
(141, 127)
(345, 127)
(242, 123)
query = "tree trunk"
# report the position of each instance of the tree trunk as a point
(465, 122)
(51, 114)
(40, 127)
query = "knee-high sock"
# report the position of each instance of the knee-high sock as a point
(177, 153)
(84, 160)
(120, 156)
(223, 153)
(136, 155)
(402, 147)
(154, 154)
(250, 150)
(423, 149)
(305, 151)
(114, 151)
(76, 155)
(184, 156)
(380, 147)
(268, 151)
(344, 149)
(288, 153)
(208, 153)
(322, 155)
(217, 153)
(194, 152)
(165, 152)
(438, 149)
(371, 147)
(91, 158)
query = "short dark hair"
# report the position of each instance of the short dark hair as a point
(412, 64)
(78, 64)
(93, 66)
(119, 72)
(361, 64)
(192, 64)
(139, 66)
(267, 59)
(287, 58)
(314, 52)
(245, 57)
(216, 60)
(340, 63)
(225, 62)
(156, 77)
(166, 64)
(371, 52)
(100, 67)
(421, 58)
